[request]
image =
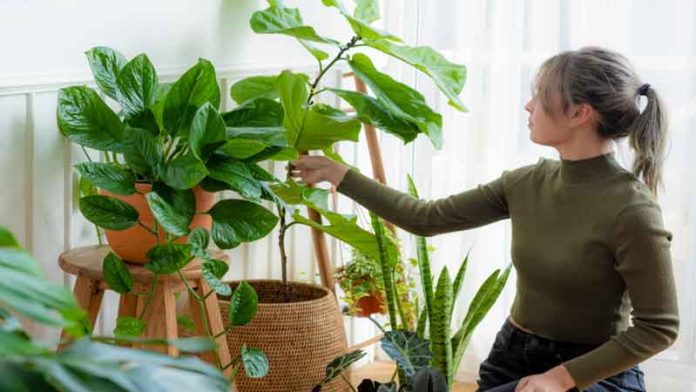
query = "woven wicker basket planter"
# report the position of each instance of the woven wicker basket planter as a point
(300, 337)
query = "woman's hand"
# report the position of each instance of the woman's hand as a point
(557, 379)
(314, 169)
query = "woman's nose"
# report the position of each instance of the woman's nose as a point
(528, 106)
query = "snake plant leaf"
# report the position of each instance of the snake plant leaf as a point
(459, 279)
(255, 362)
(243, 304)
(116, 274)
(108, 212)
(253, 87)
(136, 87)
(399, 98)
(423, 258)
(484, 299)
(192, 90)
(85, 119)
(110, 176)
(406, 349)
(448, 77)
(372, 111)
(440, 327)
(388, 258)
(237, 221)
(105, 64)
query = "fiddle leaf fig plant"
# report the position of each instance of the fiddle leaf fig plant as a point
(282, 116)
(172, 137)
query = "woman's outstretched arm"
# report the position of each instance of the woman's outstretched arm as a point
(472, 208)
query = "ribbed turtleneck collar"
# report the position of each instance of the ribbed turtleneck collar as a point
(587, 170)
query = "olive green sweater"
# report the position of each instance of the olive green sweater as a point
(588, 245)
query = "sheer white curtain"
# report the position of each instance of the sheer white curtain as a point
(502, 42)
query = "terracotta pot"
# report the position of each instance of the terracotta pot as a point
(299, 337)
(132, 244)
(369, 305)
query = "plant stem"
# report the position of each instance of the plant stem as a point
(148, 229)
(150, 293)
(343, 376)
(86, 154)
(322, 72)
(283, 254)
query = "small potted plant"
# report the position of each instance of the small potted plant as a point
(361, 282)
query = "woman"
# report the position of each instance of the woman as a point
(588, 241)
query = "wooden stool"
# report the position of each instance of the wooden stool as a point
(160, 315)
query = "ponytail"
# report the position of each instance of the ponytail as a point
(647, 138)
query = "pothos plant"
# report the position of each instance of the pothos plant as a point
(172, 137)
(284, 114)
(90, 362)
(427, 358)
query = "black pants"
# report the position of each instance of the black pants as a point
(517, 354)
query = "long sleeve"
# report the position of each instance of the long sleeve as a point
(472, 208)
(642, 252)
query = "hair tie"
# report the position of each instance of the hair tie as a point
(643, 89)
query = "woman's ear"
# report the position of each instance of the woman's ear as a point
(582, 114)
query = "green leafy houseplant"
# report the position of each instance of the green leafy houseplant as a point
(286, 119)
(167, 143)
(91, 363)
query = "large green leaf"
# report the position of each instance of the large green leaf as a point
(440, 327)
(237, 221)
(193, 89)
(250, 144)
(361, 27)
(136, 85)
(399, 98)
(255, 362)
(110, 176)
(105, 64)
(292, 193)
(340, 364)
(236, 174)
(217, 267)
(142, 152)
(116, 274)
(173, 220)
(184, 172)
(243, 304)
(7, 239)
(207, 131)
(210, 276)
(406, 349)
(253, 87)
(449, 77)
(367, 10)
(373, 111)
(108, 212)
(428, 379)
(168, 258)
(128, 327)
(86, 120)
(323, 126)
(256, 112)
(293, 95)
(287, 21)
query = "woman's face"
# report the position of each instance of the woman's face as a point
(546, 129)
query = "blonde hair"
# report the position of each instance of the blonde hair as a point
(606, 81)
